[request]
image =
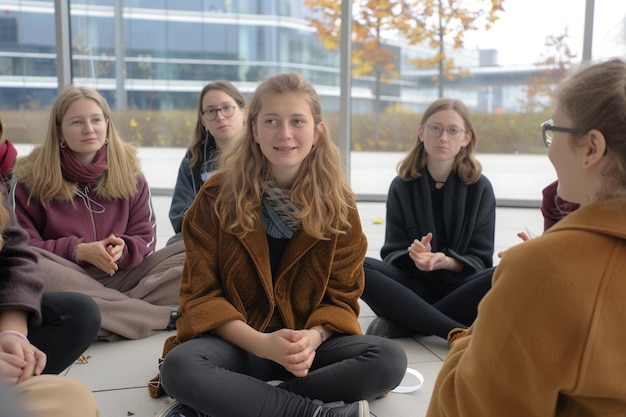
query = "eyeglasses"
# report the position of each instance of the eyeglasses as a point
(211, 114)
(435, 130)
(548, 129)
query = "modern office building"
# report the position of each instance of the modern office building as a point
(157, 54)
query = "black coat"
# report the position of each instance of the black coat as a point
(469, 218)
(188, 184)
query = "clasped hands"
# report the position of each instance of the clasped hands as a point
(103, 254)
(292, 349)
(19, 360)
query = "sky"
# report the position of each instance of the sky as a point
(520, 33)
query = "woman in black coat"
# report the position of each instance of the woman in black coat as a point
(439, 241)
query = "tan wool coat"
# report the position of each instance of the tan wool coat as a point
(549, 337)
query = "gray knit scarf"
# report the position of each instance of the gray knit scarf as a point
(278, 216)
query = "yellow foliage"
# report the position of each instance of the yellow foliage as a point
(416, 21)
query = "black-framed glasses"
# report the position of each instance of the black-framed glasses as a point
(436, 130)
(227, 111)
(548, 128)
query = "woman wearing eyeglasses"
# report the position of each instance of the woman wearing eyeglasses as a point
(552, 322)
(553, 207)
(439, 237)
(221, 120)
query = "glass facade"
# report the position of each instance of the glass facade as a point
(168, 46)
(171, 48)
(166, 50)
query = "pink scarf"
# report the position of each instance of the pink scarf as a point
(79, 172)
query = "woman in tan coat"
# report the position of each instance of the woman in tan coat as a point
(273, 275)
(548, 339)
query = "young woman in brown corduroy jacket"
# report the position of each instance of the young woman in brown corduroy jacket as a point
(273, 275)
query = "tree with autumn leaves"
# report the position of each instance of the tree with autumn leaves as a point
(445, 26)
(554, 63)
(371, 20)
(441, 24)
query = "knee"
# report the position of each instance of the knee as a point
(84, 313)
(77, 312)
(89, 311)
(174, 369)
(395, 360)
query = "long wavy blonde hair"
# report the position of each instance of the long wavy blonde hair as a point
(465, 164)
(321, 193)
(40, 171)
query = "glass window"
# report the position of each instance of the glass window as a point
(188, 5)
(146, 37)
(147, 4)
(184, 39)
(41, 40)
(95, 2)
(92, 35)
(221, 40)
(8, 30)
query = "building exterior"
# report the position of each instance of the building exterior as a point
(157, 54)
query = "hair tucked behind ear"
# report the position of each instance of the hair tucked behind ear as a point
(321, 193)
(465, 165)
(594, 97)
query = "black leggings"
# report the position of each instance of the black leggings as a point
(71, 322)
(427, 307)
(219, 379)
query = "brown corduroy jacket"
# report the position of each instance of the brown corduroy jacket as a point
(226, 278)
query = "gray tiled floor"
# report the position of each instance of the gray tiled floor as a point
(117, 372)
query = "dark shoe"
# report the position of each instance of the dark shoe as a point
(174, 316)
(176, 409)
(341, 409)
(383, 327)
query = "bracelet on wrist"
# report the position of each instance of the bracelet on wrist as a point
(14, 333)
(322, 336)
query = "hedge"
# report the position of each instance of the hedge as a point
(496, 133)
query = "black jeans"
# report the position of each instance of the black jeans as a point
(427, 307)
(71, 322)
(219, 379)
